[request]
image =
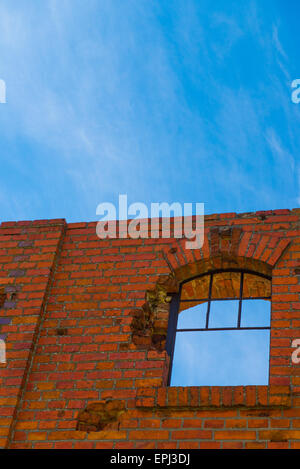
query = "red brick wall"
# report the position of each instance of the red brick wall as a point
(27, 251)
(70, 343)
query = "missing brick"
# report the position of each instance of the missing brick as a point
(2, 297)
(61, 331)
(98, 415)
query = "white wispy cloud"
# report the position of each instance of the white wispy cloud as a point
(134, 97)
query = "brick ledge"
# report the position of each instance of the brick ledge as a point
(213, 397)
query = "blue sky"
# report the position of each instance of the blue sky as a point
(186, 101)
(223, 358)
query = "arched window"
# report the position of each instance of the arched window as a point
(219, 330)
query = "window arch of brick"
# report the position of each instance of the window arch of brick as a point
(226, 247)
(223, 248)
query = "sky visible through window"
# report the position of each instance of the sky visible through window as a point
(235, 356)
(221, 358)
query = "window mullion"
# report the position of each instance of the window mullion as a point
(240, 301)
(209, 300)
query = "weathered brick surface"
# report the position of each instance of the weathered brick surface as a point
(68, 325)
(28, 253)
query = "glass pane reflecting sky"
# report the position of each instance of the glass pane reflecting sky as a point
(193, 318)
(256, 313)
(221, 358)
(223, 313)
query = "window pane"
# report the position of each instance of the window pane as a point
(189, 304)
(197, 288)
(221, 358)
(256, 313)
(255, 286)
(194, 317)
(226, 285)
(223, 313)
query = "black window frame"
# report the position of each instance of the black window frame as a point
(176, 300)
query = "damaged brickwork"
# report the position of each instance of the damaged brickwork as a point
(149, 325)
(99, 415)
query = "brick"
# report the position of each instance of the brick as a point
(191, 434)
(235, 435)
(279, 435)
(218, 423)
(149, 435)
(171, 423)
